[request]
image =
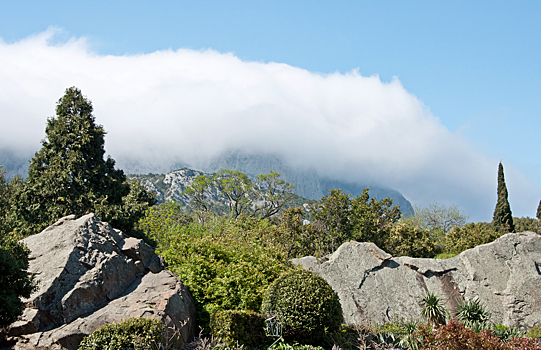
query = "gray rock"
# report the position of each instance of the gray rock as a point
(89, 275)
(375, 287)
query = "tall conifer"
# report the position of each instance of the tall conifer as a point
(69, 174)
(538, 214)
(503, 218)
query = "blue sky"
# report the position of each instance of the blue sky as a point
(474, 65)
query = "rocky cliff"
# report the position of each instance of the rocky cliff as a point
(308, 185)
(89, 274)
(374, 286)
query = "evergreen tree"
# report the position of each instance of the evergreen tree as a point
(69, 175)
(503, 219)
(538, 214)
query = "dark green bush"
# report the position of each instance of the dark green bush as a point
(305, 304)
(133, 333)
(244, 327)
(14, 280)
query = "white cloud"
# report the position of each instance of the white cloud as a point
(190, 105)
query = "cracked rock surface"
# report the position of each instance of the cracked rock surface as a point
(373, 286)
(90, 274)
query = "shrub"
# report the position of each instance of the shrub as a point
(305, 304)
(469, 236)
(133, 333)
(407, 240)
(505, 333)
(455, 336)
(473, 313)
(244, 327)
(534, 332)
(226, 263)
(433, 310)
(14, 280)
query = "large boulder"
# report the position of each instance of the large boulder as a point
(89, 274)
(373, 286)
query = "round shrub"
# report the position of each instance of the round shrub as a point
(305, 304)
(133, 333)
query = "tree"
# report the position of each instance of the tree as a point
(274, 194)
(7, 190)
(412, 241)
(14, 280)
(331, 217)
(538, 214)
(503, 218)
(69, 174)
(372, 220)
(262, 198)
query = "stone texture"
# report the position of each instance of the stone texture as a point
(373, 286)
(89, 274)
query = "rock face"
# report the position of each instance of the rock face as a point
(307, 181)
(89, 274)
(373, 286)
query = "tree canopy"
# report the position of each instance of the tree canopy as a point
(503, 218)
(263, 197)
(69, 174)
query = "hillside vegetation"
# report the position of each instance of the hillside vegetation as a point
(235, 235)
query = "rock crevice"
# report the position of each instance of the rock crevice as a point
(375, 287)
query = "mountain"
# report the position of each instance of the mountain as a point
(307, 181)
(170, 184)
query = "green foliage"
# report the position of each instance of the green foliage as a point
(161, 221)
(407, 240)
(332, 219)
(70, 176)
(503, 219)
(538, 213)
(473, 314)
(226, 263)
(264, 197)
(469, 236)
(438, 220)
(295, 346)
(338, 218)
(7, 190)
(296, 239)
(305, 304)
(524, 224)
(372, 220)
(133, 333)
(433, 309)
(505, 333)
(14, 280)
(534, 332)
(238, 326)
(444, 256)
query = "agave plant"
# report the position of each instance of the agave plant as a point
(433, 309)
(505, 333)
(473, 314)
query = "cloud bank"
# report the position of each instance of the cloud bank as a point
(187, 106)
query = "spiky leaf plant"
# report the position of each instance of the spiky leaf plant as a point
(433, 309)
(473, 314)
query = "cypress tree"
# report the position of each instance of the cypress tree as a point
(69, 174)
(538, 215)
(503, 219)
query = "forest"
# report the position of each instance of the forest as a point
(234, 254)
